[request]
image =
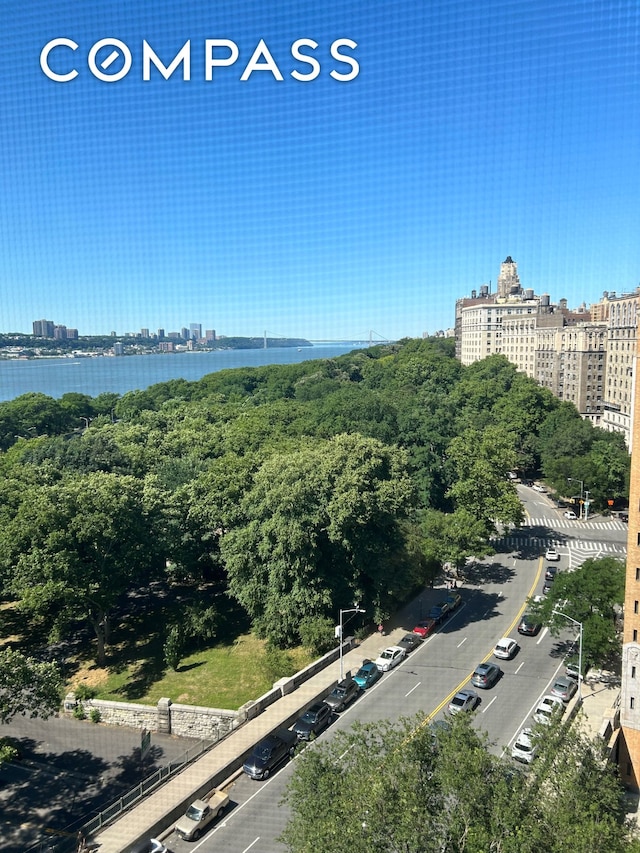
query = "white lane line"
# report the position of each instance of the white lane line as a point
(251, 845)
(519, 668)
(490, 704)
(542, 636)
(461, 643)
(409, 693)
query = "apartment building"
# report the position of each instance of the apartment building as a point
(586, 357)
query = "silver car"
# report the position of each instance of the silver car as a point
(464, 700)
(564, 688)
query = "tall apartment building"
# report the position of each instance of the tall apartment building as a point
(585, 357)
(629, 741)
(43, 328)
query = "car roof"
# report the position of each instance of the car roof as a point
(504, 641)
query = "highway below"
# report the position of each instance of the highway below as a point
(494, 594)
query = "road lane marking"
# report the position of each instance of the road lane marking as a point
(542, 636)
(251, 845)
(490, 704)
(519, 668)
(461, 643)
(409, 693)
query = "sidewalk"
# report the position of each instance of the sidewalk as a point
(157, 811)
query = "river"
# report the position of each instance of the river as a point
(93, 376)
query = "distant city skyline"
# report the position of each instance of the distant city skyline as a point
(322, 209)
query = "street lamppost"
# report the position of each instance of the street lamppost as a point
(355, 609)
(575, 480)
(579, 624)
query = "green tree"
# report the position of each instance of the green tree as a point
(27, 686)
(72, 548)
(320, 527)
(591, 595)
(452, 537)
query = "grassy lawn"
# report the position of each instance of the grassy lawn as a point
(224, 676)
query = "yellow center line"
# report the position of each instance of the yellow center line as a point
(447, 699)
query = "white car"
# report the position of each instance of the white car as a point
(524, 749)
(538, 488)
(571, 515)
(505, 648)
(547, 709)
(551, 554)
(389, 658)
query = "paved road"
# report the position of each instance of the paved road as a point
(493, 601)
(71, 770)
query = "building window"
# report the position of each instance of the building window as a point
(632, 702)
(633, 672)
(635, 635)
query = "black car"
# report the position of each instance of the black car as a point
(529, 625)
(550, 573)
(269, 753)
(342, 694)
(314, 720)
(410, 642)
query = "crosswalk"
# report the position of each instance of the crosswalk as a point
(565, 523)
(577, 551)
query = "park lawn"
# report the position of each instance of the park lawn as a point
(224, 676)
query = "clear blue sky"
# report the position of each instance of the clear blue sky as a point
(322, 209)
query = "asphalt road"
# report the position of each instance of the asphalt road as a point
(494, 594)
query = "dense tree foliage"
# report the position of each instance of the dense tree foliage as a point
(408, 788)
(592, 595)
(297, 488)
(27, 686)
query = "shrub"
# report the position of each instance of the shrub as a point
(94, 715)
(79, 712)
(318, 634)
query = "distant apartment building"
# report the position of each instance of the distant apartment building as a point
(210, 335)
(144, 333)
(195, 331)
(60, 333)
(43, 328)
(586, 357)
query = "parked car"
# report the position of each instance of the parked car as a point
(547, 709)
(564, 687)
(343, 694)
(538, 488)
(464, 700)
(486, 675)
(454, 600)
(269, 753)
(410, 642)
(572, 670)
(426, 627)
(505, 648)
(200, 815)
(546, 587)
(151, 845)
(529, 625)
(570, 514)
(439, 611)
(367, 675)
(524, 749)
(550, 573)
(389, 658)
(314, 720)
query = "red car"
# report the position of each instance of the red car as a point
(424, 628)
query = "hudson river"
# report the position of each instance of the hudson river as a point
(93, 376)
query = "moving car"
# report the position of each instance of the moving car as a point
(524, 749)
(342, 694)
(367, 675)
(389, 658)
(505, 648)
(424, 628)
(551, 554)
(410, 642)
(564, 688)
(550, 573)
(486, 675)
(571, 515)
(314, 720)
(529, 625)
(269, 753)
(200, 814)
(547, 709)
(464, 700)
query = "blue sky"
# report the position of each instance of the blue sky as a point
(321, 209)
